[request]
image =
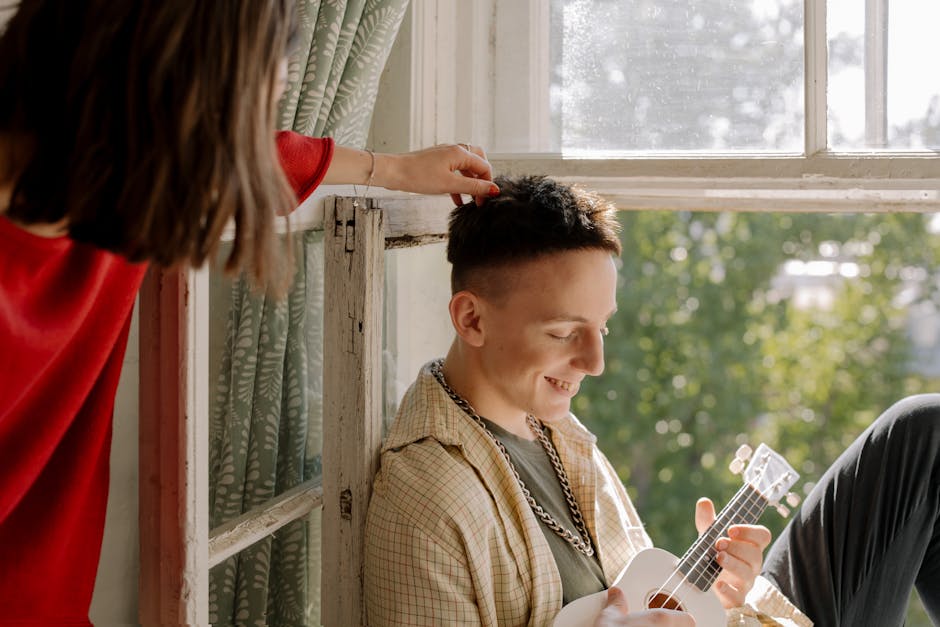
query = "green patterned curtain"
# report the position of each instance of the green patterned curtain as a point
(333, 80)
(267, 416)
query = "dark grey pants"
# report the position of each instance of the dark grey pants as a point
(870, 530)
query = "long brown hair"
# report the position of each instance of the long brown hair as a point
(150, 124)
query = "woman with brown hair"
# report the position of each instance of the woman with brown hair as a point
(133, 132)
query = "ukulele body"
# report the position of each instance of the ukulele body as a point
(640, 582)
(767, 478)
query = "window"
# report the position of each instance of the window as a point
(769, 122)
(874, 54)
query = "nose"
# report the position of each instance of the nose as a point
(589, 357)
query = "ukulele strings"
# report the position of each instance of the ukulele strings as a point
(708, 537)
(722, 523)
(711, 567)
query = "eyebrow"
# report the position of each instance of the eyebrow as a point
(581, 319)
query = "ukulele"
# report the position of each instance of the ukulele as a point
(655, 578)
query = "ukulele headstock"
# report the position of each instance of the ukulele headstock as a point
(769, 474)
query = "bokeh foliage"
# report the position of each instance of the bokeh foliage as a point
(708, 350)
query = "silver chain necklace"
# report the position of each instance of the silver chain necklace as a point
(582, 541)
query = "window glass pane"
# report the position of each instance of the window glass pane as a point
(266, 399)
(712, 75)
(879, 94)
(275, 581)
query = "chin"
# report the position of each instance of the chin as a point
(554, 414)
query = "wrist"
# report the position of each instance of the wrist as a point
(387, 171)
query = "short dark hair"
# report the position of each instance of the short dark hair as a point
(149, 124)
(533, 216)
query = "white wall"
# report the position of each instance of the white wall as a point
(417, 322)
(115, 599)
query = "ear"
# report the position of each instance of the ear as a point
(466, 313)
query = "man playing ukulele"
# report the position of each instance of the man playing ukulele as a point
(493, 505)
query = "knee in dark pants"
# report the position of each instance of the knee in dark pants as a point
(914, 420)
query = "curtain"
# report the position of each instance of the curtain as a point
(267, 416)
(334, 78)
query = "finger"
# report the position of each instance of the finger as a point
(704, 514)
(737, 571)
(468, 174)
(479, 188)
(458, 201)
(617, 602)
(478, 151)
(473, 149)
(746, 552)
(729, 594)
(472, 163)
(492, 191)
(757, 535)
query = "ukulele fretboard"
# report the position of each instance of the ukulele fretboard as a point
(698, 564)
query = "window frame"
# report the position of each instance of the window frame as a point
(441, 36)
(177, 548)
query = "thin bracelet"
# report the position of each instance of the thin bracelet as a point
(368, 182)
(371, 170)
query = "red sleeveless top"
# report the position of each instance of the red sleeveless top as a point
(65, 310)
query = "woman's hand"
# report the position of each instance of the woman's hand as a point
(740, 555)
(446, 169)
(617, 614)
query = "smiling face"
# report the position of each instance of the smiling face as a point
(543, 334)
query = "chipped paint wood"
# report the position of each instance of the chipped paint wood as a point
(174, 437)
(240, 533)
(354, 249)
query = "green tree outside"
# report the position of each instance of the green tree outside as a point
(708, 351)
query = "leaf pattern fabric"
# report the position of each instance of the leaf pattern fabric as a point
(266, 431)
(333, 79)
(266, 438)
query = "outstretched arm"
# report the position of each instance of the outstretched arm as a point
(445, 169)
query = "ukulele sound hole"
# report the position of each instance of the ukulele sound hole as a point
(663, 601)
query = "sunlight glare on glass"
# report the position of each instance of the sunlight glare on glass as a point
(934, 224)
(913, 92)
(711, 75)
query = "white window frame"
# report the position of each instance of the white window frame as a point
(440, 41)
(452, 39)
(177, 548)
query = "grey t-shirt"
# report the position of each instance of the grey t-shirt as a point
(580, 575)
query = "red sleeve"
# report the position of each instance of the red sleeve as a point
(305, 160)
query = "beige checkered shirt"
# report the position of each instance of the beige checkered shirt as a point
(450, 539)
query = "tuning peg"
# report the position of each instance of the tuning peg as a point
(793, 499)
(783, 510)
(736, 466)
(743, 453)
